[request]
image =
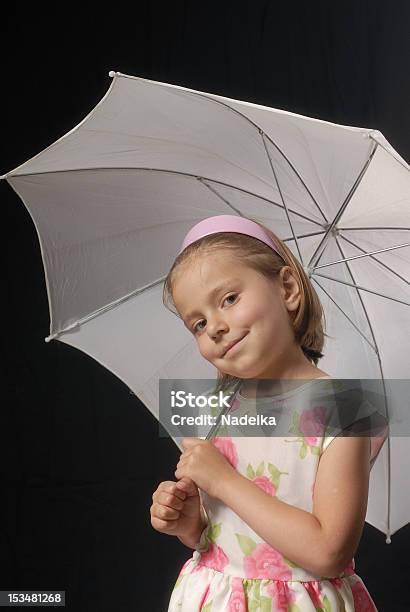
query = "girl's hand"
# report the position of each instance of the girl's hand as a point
(205, 465)
(176, 509)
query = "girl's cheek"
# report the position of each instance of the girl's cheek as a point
(203, 348)
(199, 346)
(244, 314)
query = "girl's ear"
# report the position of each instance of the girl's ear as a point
(289, 288)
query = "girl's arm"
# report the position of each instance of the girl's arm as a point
(324, 541)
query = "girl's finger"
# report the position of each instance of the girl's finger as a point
(172, 501)
(174, 490)
(168, 486)
(179, 493)
(164, 512)
(162, 525)
(187, 485)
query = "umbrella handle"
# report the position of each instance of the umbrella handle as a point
(224, 410)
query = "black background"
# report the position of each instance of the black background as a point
(80, 456)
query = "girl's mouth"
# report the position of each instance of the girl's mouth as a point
(236, 347)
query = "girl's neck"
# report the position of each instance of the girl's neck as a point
(290, 379)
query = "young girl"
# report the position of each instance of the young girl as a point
(274, 521)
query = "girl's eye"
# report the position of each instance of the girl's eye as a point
(196, 327)
(230, 296)
(233, 295)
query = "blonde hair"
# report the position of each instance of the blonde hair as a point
(306, 321)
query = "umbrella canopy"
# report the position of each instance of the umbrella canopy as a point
(112, 199)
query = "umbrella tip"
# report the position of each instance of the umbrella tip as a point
(112, 73)
(50, 337)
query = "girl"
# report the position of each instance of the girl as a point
(274, 524)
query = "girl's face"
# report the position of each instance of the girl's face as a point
(222, 301)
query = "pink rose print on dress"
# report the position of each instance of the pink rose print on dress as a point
(227, 448)
(266, 562)
(313, 590)
(237, 599)
(308, 427)
(204, 596)
(349, 569)
(281, 595)
(362, 601)
(184, 566)
(235, 405)
(269, 484)
(214, 558)
(312, 424)
(265, 484)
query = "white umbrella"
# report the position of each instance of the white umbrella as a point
(113, 198)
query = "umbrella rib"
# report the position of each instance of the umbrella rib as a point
(115, 303)
(178, 172)
(383, 146)
(345, 314)
(383, 381)
(202, 180)
(218, 195)
(397, 246)
(337, 280)
(375, 258)
(281, 195)
(304, 236)
(340, 212)
(378, 227)
(104, 309)
(264, 134)
(255, 125)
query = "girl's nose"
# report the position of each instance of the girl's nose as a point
(216, 328)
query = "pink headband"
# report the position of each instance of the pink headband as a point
(227, 223)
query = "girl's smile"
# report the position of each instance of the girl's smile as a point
(235, 347)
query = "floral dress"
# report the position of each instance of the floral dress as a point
(232, 569)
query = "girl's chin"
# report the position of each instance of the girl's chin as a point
(237, 372)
